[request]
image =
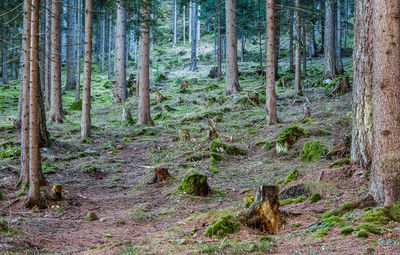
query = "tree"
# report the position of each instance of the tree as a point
(385, 175)
(86, 122)
(71, 31)
(174, 21)
(338, 39)
(102, 38)
(291, 27)
(56, 111)
(78, 52)
(144, 81)
(120, 58)
(193, 27)
(361, 146)
(219, 39)
(270, 55)
(231, 80)
(329, 42)
(47, 81)
(297, 80)
(110, 36)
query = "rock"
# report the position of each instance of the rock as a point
(294, 191)
(195, 184)
(231, 150)
(119, 147)
(213, 73)
(91, 217)
(288, 137)
(222, 227)
(311, 151)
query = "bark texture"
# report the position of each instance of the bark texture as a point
(297, 80)
(120, 58)
(193, 53)
(71, 31)
(329, 42)
(219, 42)
(338, 39)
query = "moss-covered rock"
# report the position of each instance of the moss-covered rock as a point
(315, 198)
(291, 176)
(231, 150)
(378, 217)
(287, 138)
(311, 151)
(91, 217)
(362, 234)
(330, 213)
(346, 230)
(215, 157)
(3, 226)
(293, 200)
(393, 211)
(222, 227)
(340, 163)
(334, 220)
(371, 228)
(76, 105)
(195, 184)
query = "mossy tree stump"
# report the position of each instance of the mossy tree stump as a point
(264, 213)
(195, 184)
(161, 174)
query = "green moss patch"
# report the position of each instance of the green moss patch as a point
(378, 217)
(291, 176)
(287, 138)
(340, 163)
(315, 198)
(371, 228)
(334, 220)
(231, 150)
(321, 232)
(76, 105)
(293, 200)
(311, 151)
(10, 152)
(346, 230)
(48, 168)
(362, 234)
(91, 217)
(222, 227)
(330, 213)
(195, 184)
(3, 226)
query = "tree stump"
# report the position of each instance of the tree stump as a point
(256, 98)
(180, 100)
(195, 184)
(126, 115)
(160, 175)
(211, 132)
(264, 213)
(159, 98)
(184, 86)
(306, 112)
(213, 73)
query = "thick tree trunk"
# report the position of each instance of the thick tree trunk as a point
(260, 34)
(193, 55)
(219, 42)
(102, 39)
(42, 40)
(71, 31)
(297, 80)
(338, 39)
(346, 24)
(120, 65)
(56, 111)
(47, 79)
(231, 79)
(175, 15)
(34, 153)
(329, 46)
(110, 36)
(198, 23)
(144, 81)
(291, 24)
(277, 37)
(85, 122)
(385, 177)
(78, 53)
(190, 21)
(184, 24)
(361, 146)
(322, 25)
(272, 118)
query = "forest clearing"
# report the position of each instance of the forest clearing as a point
(184, 127)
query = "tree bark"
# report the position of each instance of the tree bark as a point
(272, 118)
(190, 21)
(361, 146)
(231, 79)
(184, 24)
(56, 111)
(346, 20)
(219, 42)
(144, 81)
(297, 80)
(103, 39)
(385, 176)
(71, 31)
(78, 53)
(277, 36)
(86, 122)
(47, 79)
(198, 23)
(120, 51)
(110, 36)
(338, 39)
(291, 25)
(193, 55)
(304, 44)
(175, 15)
(329, 46)
(4, 58)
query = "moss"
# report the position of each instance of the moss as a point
(48, 168)
(192, 216)
(161, 77)
(321, 232)
(346, 206)
(334, 220)
(371, 228)
(315, 198)
(214, 169)
(91, 217)
(20, 194)
(287, 138)
(76, 105)
(393, 211)
(346, 230)
(268, 145)
(198, 156)
(231, 150)
(293, 200)
(295, 225)
(291, 176)
(1, 196)
(369, 250)
(222, 227)
(362, 234)
(269, 239)
(10, 152)
(3, 226)
(116, 180)
(329, 213)
(379, 217)
(252, 131)
(340, 163)
(195, 184)
(121, 222)
(215, 157)
(311, 151)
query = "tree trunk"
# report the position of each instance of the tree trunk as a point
(219, 42)
(346, 20)
(34, 153)
(184, 24)
(71, 78)
(385, 176)
(329, 46)
(198, 23)
(338, 39)
(260, 33)
(47, 79)
(144, 81)
(110, 36)
(272, 118)
(297, 80)
(102, 39)
(25, 84)
(4, 67)
(120, 65)
(193, 56)
(85, 122)
(242, 48)
(175, 15)
(231, 80)
(56, 111)
(78, 53)
(42, 53)
(291, 25)
(322, 25)
(304, 44)
(361, 146)
(277, 36)
(190, 21)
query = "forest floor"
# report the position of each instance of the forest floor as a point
(109, 174)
